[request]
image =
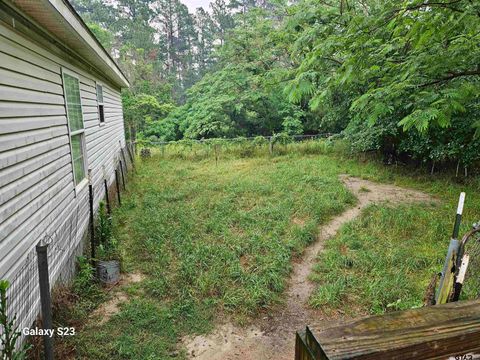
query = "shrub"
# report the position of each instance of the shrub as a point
(10, 333)
(107, 244)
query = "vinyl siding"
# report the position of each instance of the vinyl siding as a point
(37, 190)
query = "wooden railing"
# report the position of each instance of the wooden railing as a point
(449, 331)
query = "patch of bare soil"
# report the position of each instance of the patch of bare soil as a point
(298, 221)
(273, 336)
(112, 306)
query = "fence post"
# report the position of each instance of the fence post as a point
(92, 223)
(117, 183)
(123, 150)
(45, 299)
(129, 152)
(122, 173)
(107, 198)
(122, 154)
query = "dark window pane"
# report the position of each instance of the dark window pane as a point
(101, 113)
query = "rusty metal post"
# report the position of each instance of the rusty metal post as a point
(92, 221)
(45, 298)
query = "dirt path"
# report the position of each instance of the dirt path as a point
(273, 337)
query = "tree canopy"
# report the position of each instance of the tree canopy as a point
(402, 77)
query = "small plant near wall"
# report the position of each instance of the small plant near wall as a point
(10, 333)
(108, 256)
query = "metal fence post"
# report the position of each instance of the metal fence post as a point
(122, 152)
(92, 221)
(45, 299)
(129, 152)
(107, 198)
(122, 174)
(117, 183)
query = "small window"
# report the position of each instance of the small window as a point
(75, 125)
(101, 112)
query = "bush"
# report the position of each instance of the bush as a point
(10, 331)
(107, 244)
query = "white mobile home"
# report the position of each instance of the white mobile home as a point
(60, 120)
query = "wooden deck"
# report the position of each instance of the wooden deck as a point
(436, 332)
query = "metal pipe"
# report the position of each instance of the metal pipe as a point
(92, 221)
(45, 299)
(107, 198)
(122, 174)
(117, 183)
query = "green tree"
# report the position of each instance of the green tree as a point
(388, 67)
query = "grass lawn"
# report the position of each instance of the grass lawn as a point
(218, 240)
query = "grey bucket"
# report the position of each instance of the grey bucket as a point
(108, 272)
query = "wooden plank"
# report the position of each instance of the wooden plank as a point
(435, 332)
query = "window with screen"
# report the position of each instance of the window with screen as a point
(101, 112)
(75, 125)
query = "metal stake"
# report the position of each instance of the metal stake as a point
(122, 174)
(45, 299)
(107, 198)
(117, 183)
(92, 223)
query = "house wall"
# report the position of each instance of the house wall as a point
(37, 190)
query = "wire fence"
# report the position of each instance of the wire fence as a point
(281, 136)
(23, 293)
(65, 243)
(244, 147)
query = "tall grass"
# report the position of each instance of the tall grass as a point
(216, 238)
(212, 239)
(222, 149)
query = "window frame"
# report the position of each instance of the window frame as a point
(102, 104)
(82, 183)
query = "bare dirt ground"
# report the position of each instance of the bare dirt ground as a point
(272, 337)
(111, 307)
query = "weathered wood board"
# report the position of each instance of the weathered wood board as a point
(435, 332)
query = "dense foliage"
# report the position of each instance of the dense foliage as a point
(402, 77)
(404, 74)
